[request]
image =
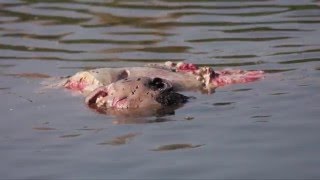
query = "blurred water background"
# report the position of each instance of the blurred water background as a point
(266, 129)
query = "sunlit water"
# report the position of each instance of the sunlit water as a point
(265, 129)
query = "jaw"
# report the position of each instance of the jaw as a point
(96, 96)
(101, 98)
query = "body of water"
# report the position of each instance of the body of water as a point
(261, 130)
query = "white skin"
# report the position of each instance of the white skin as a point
(130, 93)
(104, 76)
(203, 79)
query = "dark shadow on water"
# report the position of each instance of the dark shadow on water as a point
(120, 140)
(172, 147)
(138, 115)
(140, 120)
(223, 103)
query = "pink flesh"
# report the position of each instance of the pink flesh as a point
(119, 103)
(187, 67)
(222, 78)
(75, 85)
(236, 76)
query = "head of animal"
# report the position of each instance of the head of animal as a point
(133, 93)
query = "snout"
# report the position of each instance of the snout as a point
(135, 93)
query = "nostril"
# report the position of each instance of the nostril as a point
(157, 80)
(157, 83)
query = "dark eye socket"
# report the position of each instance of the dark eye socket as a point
(156, 83)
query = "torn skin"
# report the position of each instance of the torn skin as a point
(227, 77)
(82, 81)
(213, 79)
(76, 85)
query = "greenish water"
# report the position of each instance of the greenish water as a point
(266, 129)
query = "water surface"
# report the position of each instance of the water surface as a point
(266, 129)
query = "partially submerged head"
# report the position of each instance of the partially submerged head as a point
(133, 93)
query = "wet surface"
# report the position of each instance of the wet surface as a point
(265, 129)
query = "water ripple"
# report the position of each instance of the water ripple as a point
(42, 39)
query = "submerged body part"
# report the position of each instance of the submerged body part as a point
(149, 90)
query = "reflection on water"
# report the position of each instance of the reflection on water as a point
(52, 135)
(70, 135)
(137, 115)
(140, 119)
(43, 128)
(120, 140)
(29, 75)
(171, 147)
